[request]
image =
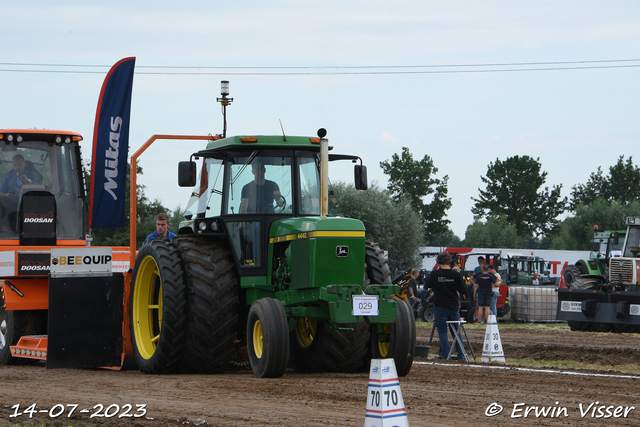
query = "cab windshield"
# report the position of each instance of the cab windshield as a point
(37, 166)
(259, 185)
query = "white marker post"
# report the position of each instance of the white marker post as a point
(492, 349)
(385, 406)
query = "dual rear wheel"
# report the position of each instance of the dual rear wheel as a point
(183, 306)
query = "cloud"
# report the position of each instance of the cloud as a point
(388, 138)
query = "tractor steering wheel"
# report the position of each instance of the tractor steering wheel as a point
(281, 203)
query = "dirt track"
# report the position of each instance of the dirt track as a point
(442, 394)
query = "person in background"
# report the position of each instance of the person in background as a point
(162, 228)
(482, 289)
(495, 290)
(447, 286)
(478, 269)
(412, 290)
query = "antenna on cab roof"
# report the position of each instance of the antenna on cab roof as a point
(284, 137)
(224, 91)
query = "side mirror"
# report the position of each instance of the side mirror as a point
(186, 174)
(360, 173)
(616, 238)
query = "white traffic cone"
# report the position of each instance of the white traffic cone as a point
(385, 406)
(492, 349)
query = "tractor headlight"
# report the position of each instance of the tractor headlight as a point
(215, 226)
(202, 226)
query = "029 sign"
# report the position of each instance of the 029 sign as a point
(365, 305)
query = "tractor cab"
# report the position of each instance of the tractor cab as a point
(606, 244)
(41, 192)
(247, 184)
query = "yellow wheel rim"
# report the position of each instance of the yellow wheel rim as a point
(258, 345)
(383, 346)
(147, 307)
(306, 331)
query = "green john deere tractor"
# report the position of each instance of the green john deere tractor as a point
(260, 260)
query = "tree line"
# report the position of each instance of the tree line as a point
(515, 209)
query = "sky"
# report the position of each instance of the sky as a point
(464, 82)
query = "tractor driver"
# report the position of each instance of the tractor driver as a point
(17, 177)
(13, 182)
(259, 195)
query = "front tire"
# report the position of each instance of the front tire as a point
(317, 347)
(396, 340)
(426, 313)
(268, 338)
(386, 340)
(158, 308)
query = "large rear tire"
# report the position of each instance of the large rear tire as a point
(15, 324)
(586, 283)
(158, 307)
(582, 267)
(571, 273)
(317, 347)
(268, 338)
(376, 265)
(396, 340)
(212, 301)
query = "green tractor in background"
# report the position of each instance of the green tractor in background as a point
(526, 270)
(588, 273)
(260, 260)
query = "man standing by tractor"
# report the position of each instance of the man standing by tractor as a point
(447, 286)
(162, 228)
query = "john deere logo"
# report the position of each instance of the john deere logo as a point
(342, 251)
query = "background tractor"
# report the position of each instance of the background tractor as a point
(611, 301)
(260, 260)
(587, 273)
(51, 310)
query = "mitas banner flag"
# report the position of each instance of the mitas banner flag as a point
(110, 148)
